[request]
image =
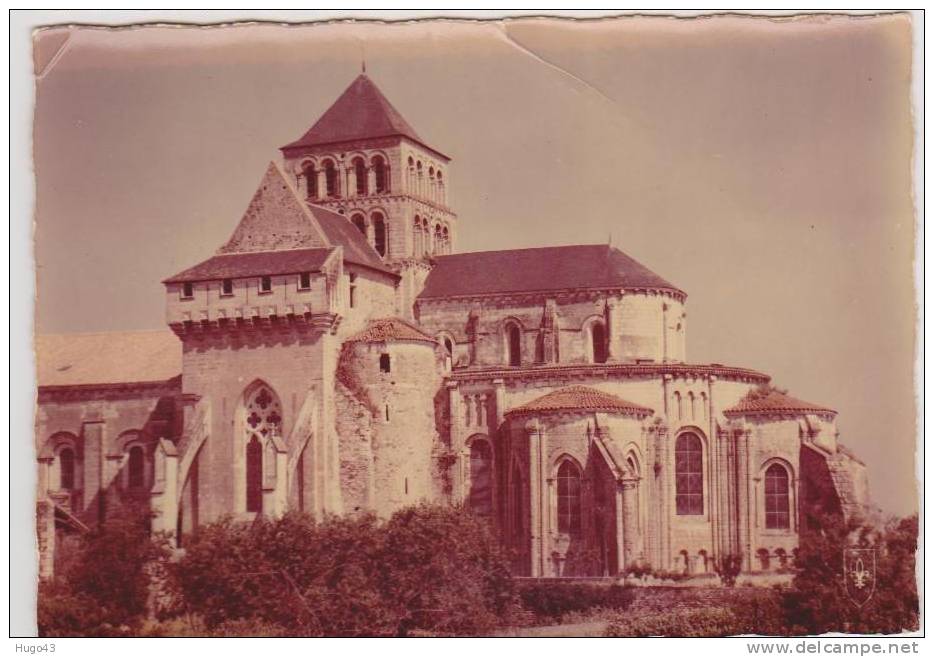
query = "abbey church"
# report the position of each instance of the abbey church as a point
(338, 355)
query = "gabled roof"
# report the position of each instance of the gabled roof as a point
(280, 233)
(538, 270)
(276, 218)
(338, 230)
(774, 402)
(580, 398)
(260, 263)
(107, 358)
(390, 329)
(361, 112)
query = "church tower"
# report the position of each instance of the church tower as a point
(364, 161)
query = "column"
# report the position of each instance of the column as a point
(667, 484)
(322, 185)
(371, 180)
(536, 502)
(630, 515)
(164, 499)
(664, 332)
(742, 477)
(45, 476)
(613, 329)
(45, 535)
(499, 395)
(619, 504)
(95, 476)
(351, 177)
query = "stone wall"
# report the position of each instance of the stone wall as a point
(97, 422)
(402, 419)
(639, 327)
(219, 367)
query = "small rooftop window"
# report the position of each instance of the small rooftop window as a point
(188, 291)
(304, 281)
(226, 287)
(384, 363)
(265, 284)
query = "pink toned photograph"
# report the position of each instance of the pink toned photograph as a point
(529, 327)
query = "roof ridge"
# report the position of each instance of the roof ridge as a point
(525, 248)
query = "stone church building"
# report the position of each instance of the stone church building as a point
(338, 355)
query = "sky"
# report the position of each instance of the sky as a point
(763, 166)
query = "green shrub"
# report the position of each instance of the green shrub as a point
(551, 600)
(105, 588)
(428, 569)
(679, 623)
(817, 602)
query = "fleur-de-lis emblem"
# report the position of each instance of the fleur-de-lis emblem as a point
(859, 572)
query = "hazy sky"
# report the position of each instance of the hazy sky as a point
(762, 166)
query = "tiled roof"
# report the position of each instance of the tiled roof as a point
(107, 358)
(391, 329)
(361, 112)
(280, 233)
(339, 230)
(774, 402)
(263, 263)
(580, 398)
(540, 269)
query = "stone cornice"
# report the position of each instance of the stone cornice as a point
(109, 390)
(323, 322)
(538, 297)
(607, 371)
(353, 202)
(773, 415)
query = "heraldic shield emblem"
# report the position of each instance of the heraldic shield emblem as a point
(859, 574)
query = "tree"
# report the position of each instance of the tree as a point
(818, 602)
(106, 585)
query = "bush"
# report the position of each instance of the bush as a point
(428, 569)
(818, 603)
(728, 568)
(105, 587)
(680, 623)
(444, 571)
(552, 600)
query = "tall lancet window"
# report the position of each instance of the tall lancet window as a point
(331, 179)
(311, 180)
(66, 465)
(481, 478)
(569, 498)
(263, 420)
(359, 169)
(380, 175)
(379, 234)
(598, 342)
(513, 344)
(777, 514)
(689, 475)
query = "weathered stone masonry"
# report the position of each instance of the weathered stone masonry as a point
(336, 355)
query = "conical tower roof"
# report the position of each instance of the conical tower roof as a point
(361, 112)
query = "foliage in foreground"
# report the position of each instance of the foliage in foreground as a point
(818, 603)
(433, 571)
(105, 587)
(429, 568)
(551, 601)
